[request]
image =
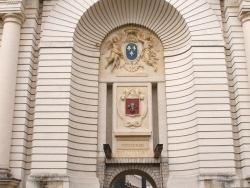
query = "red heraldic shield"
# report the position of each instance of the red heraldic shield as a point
(132, 106)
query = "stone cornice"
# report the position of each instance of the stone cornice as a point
(9, 182)
(244, 16)
(11, 7)
(244, 10)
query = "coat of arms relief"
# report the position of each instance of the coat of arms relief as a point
(130, 50)
(132, 106)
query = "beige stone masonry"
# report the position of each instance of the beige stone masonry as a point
(58, 123)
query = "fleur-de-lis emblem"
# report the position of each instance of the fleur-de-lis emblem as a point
(132, 107)
(131, 51)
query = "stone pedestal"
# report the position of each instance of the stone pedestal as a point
(9, 183)
(61, 181)
(6, 181)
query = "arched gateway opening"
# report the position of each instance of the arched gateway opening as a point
(133, 172)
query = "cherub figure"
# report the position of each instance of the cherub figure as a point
(115, 54)
(148, 53)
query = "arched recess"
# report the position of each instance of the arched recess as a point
(200, 20)
(189, 32)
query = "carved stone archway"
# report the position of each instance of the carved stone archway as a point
(152, 170)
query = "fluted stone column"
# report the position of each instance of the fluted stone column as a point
(245, 19)
(8, 70)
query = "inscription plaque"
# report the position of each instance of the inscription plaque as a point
(132, 145)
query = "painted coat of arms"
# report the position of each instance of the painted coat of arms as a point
(132, 107)
(130, 50)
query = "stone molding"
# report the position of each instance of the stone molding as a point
(16, 18)
(219, 179)
(244, 16)
(32, 4)
(11, 7)
(4, 173)
(244, 10)
(48, 180)
(133, 160)
(9, 182)
(217, 176)
(231, 2)
(6, 180)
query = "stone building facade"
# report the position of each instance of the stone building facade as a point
(131, 74)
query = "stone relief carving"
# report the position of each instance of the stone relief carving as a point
(149, 52)
(115, 53)
(129, 107)
(130, 50)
